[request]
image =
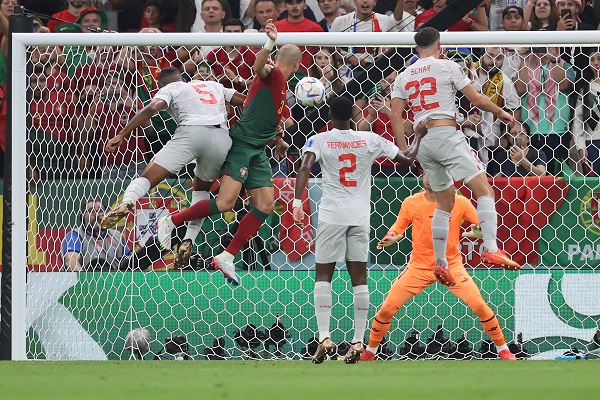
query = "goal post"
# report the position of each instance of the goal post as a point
(553, 224)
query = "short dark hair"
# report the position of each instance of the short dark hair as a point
(526, 128)
(233, 22)
(169, 74)
(153, 3)
(340, 109)
(425, 37)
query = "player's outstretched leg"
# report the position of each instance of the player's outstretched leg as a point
(116, 214)
(325, 347)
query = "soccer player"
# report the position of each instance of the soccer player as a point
(429, 87)
(420, 271)
(247, 164)
(199, 109)
(346, 157)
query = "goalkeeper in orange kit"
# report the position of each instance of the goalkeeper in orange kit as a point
(421, 270)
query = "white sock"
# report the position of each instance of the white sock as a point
(372, 350)
(136, 189)
(440, 224)
(195, 226)
(503, 347)
(361, 309)
(488, 220)
(322, 301)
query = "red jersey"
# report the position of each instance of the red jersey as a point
(148, 74)
(65, 15)
(263, 109)
(240, 65)
(459, 26)
(306, 25)
(109, 123)
(54, 115)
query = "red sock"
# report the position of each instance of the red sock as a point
(249, 226)
(199, 210)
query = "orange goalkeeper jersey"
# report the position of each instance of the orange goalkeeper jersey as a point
(417, 210)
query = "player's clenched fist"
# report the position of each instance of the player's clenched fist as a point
(271, 30)
(443, 275)
(113, 144)
(390, 238)
(298, 214)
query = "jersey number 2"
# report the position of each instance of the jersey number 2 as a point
(344, 170)
(206, 96)
(425, 87)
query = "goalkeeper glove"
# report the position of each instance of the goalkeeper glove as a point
(475, 232)
(390, 238)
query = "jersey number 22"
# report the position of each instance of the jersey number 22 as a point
(425, 87)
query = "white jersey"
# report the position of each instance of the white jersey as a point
(346, 158)
(196, 102)
(429, 86)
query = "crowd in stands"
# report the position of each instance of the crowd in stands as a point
(80, 96)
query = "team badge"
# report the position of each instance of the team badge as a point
(243, 171)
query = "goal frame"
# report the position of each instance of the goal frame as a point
(18, 81)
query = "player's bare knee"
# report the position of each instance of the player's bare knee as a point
(265, 207)
(225, 204)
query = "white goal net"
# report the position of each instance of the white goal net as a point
(73, 92)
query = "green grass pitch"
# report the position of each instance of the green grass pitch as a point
(287, 380)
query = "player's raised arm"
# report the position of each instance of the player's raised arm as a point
(397, 122)
(483, 102)
(301, 181)
(140, 119)
(409, 155)
(260, 67)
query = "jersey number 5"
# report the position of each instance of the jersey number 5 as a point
(206, 96)
(425, 87)
(344, 170)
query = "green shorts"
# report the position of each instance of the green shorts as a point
(249, 165)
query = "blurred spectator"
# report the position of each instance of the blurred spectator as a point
(578, 57)
(146, 62)
(491, 81)
(90, 77)
(264, 10)
(588, 15)
(539, 14)
(113, 108)
(512, 20)
(295, 22)
(89, 248)
(74, 56)
(545, 82)
(130, 15)
(111, 8)
(517, 157)
(205, 72)
(331, 10)
(467, 23)
(233, 64)
(324, 69)
(154, 16)
(586, 130)
(411, 11)
(365, 20)
(70, 14)
(52, 132)
(209, 16)
(497, 11)
(283, 12)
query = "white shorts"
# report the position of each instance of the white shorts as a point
(341, 243)
(207, 145)
(446, 156)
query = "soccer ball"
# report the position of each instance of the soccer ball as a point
(309, 92)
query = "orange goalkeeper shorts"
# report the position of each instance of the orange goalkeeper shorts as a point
(413, 280)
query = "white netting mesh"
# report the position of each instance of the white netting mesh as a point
(81, 96)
